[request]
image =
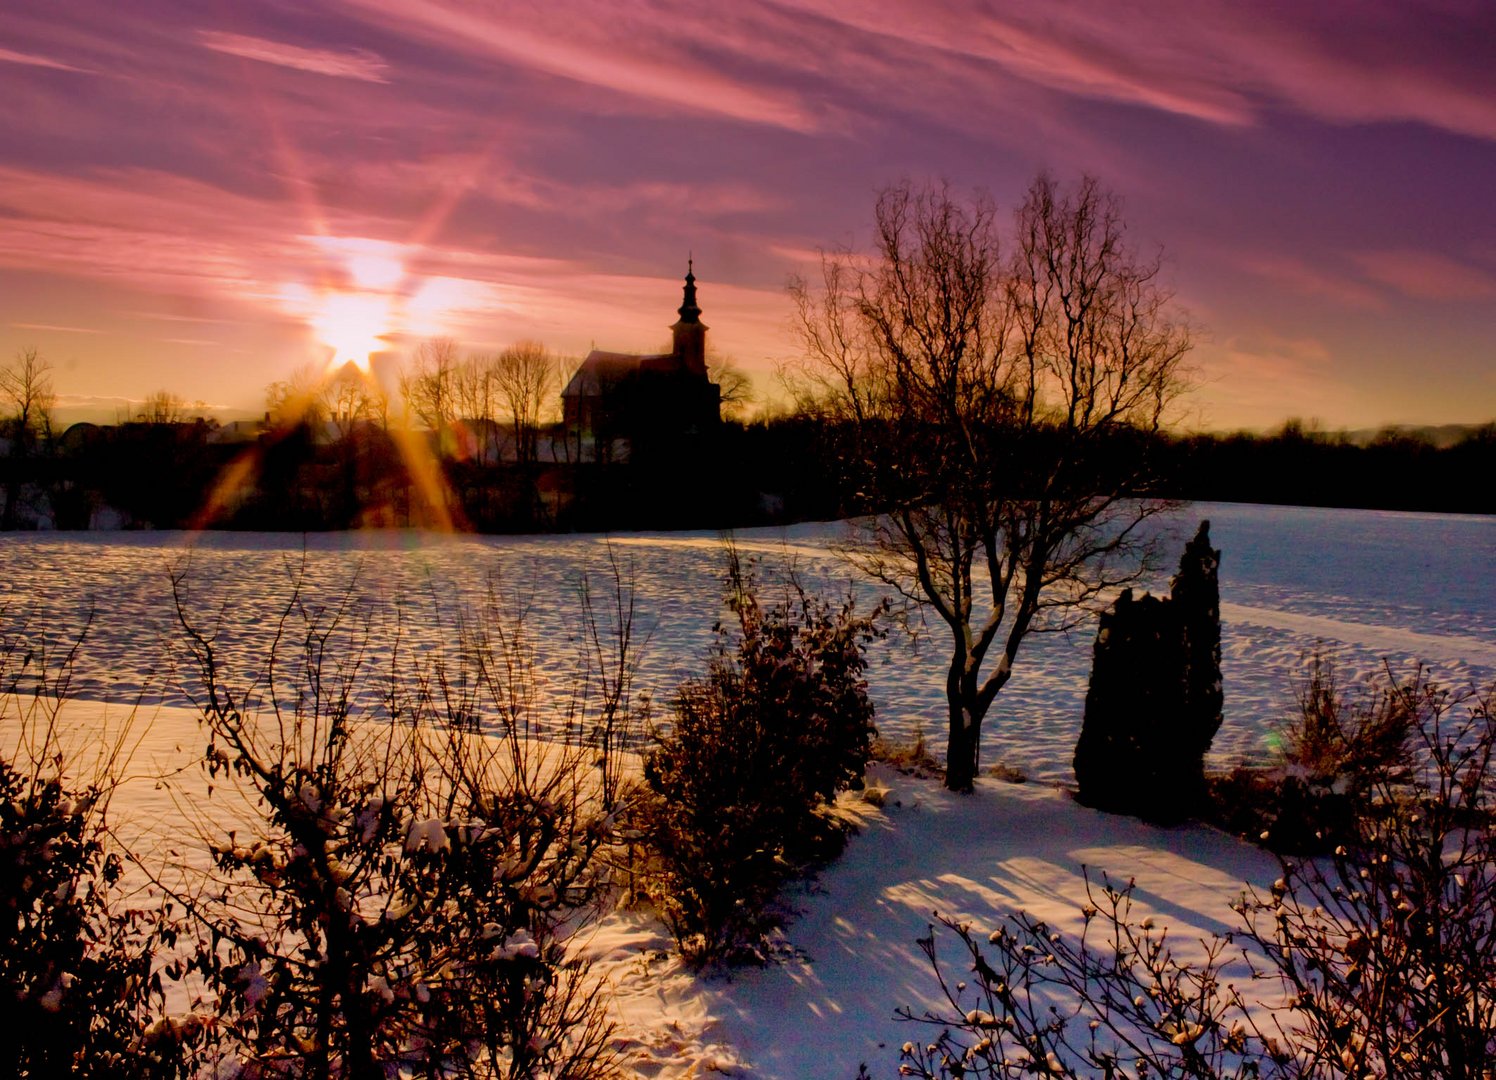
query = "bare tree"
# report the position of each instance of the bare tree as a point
(165, 407)
(27, 396)
(992, 409)
(297, 399)
(734, 385)
(429, 388)
(475, 396)
(350, 397)
(313, 396)
(527, 378)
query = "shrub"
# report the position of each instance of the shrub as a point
(778, 725)
(398, 899)
(1387, 948)
(76, 964)
(1334, 752)
(1384, 953)
(1355, 744)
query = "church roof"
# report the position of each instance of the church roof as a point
(603, 369)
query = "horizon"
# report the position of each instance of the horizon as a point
(116, 411)
(205, 202)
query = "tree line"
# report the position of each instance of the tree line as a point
(330, 462)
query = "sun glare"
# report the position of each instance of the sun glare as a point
(353, 325)
(375, 270)
(356, 312)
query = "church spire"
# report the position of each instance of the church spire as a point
(689, 331)
(689, 311)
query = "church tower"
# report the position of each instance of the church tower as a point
(689, 330)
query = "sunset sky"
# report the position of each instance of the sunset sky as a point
(204, 196)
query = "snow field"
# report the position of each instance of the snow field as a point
(1369, 586)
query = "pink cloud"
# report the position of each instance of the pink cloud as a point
(1207, 59)
(1259, 383)
(55, 328)
(584, 43)
(1426, 275)
(1089, 53)
(358, 64)
(158, 233)
(32, 60)
(1297, 275)
(167, 316)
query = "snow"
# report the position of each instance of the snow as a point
(1370, 585)
(850, 957)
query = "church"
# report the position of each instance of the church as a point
(621, 405)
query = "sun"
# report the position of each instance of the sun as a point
(353, 325)
(356, 308)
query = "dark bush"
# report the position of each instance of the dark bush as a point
(79, 972)
(75, 965)
(780, 723)
(1154, 700)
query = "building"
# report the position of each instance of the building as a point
(620, 405)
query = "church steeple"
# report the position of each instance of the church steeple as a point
(689, 311)
(689, 331)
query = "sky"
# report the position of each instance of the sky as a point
(205, 196)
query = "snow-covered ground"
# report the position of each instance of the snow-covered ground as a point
(1369, 585)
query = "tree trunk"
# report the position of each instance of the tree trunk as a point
(961, 748)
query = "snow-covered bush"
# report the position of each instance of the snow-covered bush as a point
(1115, 1002)
(1378, 960)
(778, 725)
(394, 872)
(76, 961)
(1387, 947)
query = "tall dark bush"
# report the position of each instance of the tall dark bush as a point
(1154, 701)
(780, 723)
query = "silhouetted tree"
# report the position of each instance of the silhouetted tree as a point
(297, 399)
(26, 395)
(349, 398)
(991, 408)
(165, 407)
(733, 384)
(429, 388)
(527, 378)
